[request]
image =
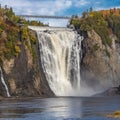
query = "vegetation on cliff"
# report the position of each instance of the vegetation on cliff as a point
(115, 114)
(13, 35)
(104, 22)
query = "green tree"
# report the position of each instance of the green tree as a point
(91, 9)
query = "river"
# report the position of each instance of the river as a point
(59, 108)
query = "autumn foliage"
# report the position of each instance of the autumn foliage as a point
(12, 35)
(104, 22)
(110, 12)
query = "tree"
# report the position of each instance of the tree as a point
(11, 10)
(85, 15)
(5, 6)
(74, 16)
(91, 9)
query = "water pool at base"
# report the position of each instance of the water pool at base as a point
(61, 108)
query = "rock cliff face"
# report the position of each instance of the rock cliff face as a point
(100, 63)
(24, 76)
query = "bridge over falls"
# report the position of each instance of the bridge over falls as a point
(44, 16)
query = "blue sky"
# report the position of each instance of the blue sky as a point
(58, 7)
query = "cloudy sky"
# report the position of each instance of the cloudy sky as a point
(58, 7)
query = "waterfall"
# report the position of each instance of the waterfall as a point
(60, 57)
(60, 52)
(3, 82)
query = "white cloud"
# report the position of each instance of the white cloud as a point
(79, 3)
(105, 8)
(42, 7)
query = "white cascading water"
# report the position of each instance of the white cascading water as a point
(3, 82)
(60, 52)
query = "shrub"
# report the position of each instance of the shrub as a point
(95, 47)
(17, 49)
(117, 113)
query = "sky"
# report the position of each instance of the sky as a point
(58, 7)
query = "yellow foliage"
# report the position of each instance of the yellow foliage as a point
(24, 33)
(19, 43)
(116, 114)
(91, 15)
(32, 38)
(17, 49)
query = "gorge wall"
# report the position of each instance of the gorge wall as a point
(23, 75)
(100, 63)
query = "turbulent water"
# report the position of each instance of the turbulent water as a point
(3, 82)
(60, 53)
